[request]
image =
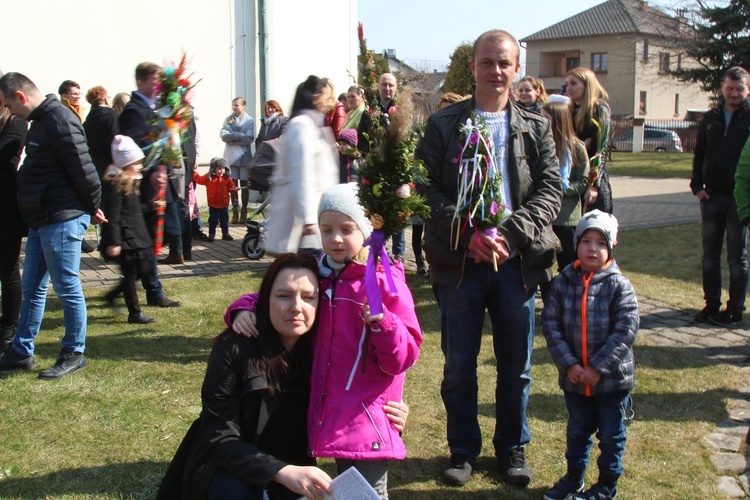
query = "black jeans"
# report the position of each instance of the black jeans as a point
(10, 282)
(719, 217)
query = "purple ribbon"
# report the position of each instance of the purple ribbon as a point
(376, 241)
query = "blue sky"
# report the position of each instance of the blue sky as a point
(425, 32)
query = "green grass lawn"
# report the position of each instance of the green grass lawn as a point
(111, 430)
(651, 164)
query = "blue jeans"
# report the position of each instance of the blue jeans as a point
(218, 216)
(53, 252)
(604, 414)
(511, 310)
(226, 486)
(399, 243)
(719, 215)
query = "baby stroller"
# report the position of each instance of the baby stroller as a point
(254, 242)
(259, 170)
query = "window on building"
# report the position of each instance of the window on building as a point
(644, 51)
(679, 62)
(663, 62)
(572, 63)
(642, 104)
(599, 62)
(677, 104)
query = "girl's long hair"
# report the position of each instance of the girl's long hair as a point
(562, 129)
(272, 360)
(123, 182)
(594, 95)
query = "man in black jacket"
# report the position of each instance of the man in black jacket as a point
(721, 136)
(461, 265)
(58, 195)
(135, 122)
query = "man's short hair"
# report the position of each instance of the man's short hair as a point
(497, 36)
(10, 83)
(146, 69)
(66, 86)
(242, 100)
(736, 73)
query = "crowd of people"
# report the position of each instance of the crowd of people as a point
(304, 370)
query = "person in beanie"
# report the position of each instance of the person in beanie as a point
(348, 155)
(219, 188)
(359, 359)
(126, 237)
(590, 321)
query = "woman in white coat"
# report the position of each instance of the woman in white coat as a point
(306, 167)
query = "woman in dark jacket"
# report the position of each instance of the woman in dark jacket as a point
(253, 425)
(273, 124)
(12, 227)
(101, 127)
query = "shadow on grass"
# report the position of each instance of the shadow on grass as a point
(419, 478)
(112, 481)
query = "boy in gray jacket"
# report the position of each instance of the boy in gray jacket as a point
(590, 321)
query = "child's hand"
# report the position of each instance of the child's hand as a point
(366, 314)
(397, 412)
(575, 372)
(244, 324)
(158, 204)
(234, 189)
(590, 376)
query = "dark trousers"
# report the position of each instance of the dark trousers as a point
(173, 228)
(186, 230)
(131, 270)
(218, 216)
(719, 217)
(10, 284)
(226, 486)
(604, 414)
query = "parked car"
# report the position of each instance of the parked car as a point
(654, 139)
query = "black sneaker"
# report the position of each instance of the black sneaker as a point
(705, 313)
(564, 488)
(597, 492)
(726, 318)
(210, 238)
(140, 319)
(67, 363)
(514, 469)
(458, 473)
(199, 236)
(163, 301)
(11, 360)
(227, 237)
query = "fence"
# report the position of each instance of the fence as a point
(659, 135)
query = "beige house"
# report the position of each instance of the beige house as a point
(627, 43)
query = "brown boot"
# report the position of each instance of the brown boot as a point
(235, 215)
(243, 216)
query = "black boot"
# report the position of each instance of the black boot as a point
(6, 337)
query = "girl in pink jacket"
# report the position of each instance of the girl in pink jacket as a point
(359, 359)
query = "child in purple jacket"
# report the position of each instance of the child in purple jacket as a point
(359, 360)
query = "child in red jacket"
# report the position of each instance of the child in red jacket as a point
(219, 187)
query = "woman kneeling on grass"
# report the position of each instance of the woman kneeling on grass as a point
(251, 436)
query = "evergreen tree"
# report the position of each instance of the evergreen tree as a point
(459, 79)
(721, 41)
